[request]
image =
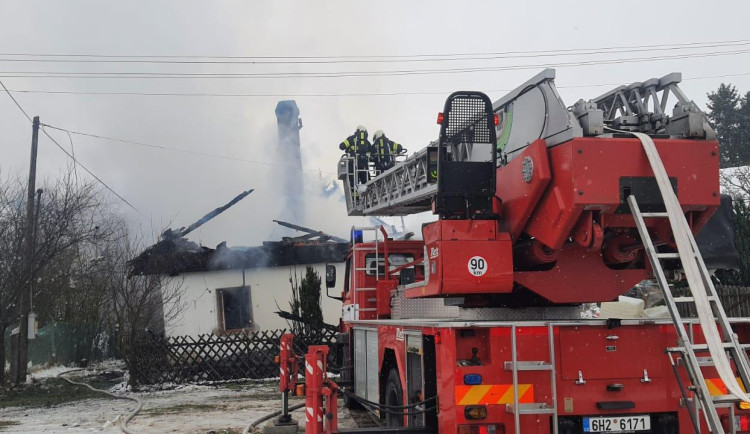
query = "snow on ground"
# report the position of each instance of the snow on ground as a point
(193, 409)
(53, 371)
(38, 373)
(223, 408)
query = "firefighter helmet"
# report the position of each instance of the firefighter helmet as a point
(378, 134)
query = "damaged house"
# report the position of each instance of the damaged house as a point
(239, 288)
(230, 289)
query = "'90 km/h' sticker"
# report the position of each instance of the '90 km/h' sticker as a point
(477, 266)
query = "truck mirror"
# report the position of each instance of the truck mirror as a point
(330, 276)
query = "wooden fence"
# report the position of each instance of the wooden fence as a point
(157, 360)
(735, 299)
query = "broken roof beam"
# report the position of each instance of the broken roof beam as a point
(184, 231)
(313, 232)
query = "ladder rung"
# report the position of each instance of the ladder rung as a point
(691, 299)
(699, 347)
(668, 255)
(705, 361)
(654, 215)
(704, 347)
(724, 398)
(529, 365)
(532, 408)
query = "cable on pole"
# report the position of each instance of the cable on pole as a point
(186, 151)
(16, 102)
(75, 161)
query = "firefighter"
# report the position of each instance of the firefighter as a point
(384, 151)
(358, 146)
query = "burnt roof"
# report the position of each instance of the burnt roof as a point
(175, 256)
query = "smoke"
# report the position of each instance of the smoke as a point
(288, 151)
(309, 196)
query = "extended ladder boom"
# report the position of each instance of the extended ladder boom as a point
(465, 151)
(404, 189)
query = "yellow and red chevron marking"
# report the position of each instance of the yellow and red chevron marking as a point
(716, 387)
(493, 394)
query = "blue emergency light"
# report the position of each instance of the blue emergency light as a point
(472, 379)
(357, 236)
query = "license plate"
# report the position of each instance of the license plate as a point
(617, 424)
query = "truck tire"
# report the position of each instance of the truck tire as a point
(394, 396)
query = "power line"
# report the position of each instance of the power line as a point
(186, 151)
(322, 95)
(390, 56)
(347, 74)
(16, 102)
(232, 158)
(242, 95)
(78, 163)
(270, 60)
(75, 161)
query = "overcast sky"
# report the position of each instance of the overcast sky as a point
(170, 186)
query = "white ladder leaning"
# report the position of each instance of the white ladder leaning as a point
(704, 297)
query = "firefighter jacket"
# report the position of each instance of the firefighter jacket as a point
(384, 151)
(357, 144)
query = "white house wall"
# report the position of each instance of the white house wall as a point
(269, 287)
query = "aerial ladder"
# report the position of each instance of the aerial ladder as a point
(609, 191)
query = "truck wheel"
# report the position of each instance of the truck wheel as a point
(394, 396)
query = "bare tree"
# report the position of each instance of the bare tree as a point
(735, 182)
(71, 214)
(139, 303)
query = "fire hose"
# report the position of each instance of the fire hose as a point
(131, 415)
(393, 409)
(692, 272)
(269, 416)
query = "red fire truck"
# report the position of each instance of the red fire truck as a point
(540, 207)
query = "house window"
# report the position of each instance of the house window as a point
(235, 308)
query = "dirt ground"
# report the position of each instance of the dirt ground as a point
(50, 405)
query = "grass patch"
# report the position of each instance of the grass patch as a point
(52, 391)
(8, 423)
(250, 384)
(182, 408)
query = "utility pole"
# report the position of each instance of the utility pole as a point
(22, 356)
